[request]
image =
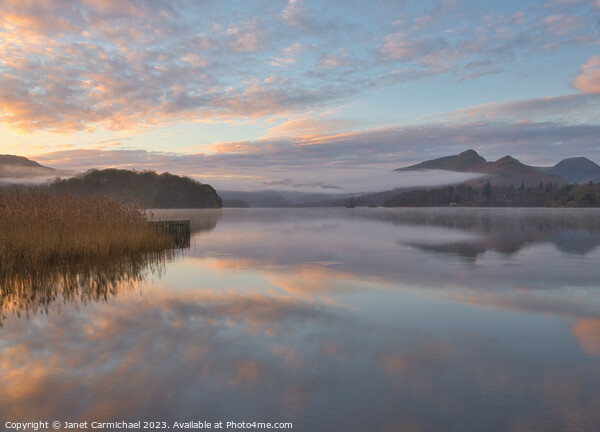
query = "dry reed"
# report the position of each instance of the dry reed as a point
(38, 229)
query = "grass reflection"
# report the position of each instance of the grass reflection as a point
(38, 289)
(55, 250)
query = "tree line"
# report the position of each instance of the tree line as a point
(150, 189)
(488, 195)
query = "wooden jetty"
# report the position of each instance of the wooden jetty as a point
(178, 229)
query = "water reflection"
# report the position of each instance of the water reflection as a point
(29, 290)
(335, 320)
(505, 231)
(232, 356)
(481, 249)
(200, 220)
(34, 290)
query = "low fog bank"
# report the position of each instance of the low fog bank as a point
(336, 188)
(30, 175)
(335, 183)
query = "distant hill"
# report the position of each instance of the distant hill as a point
(235, 203)
(504, 171)
(467, 161)
(264, 198)
(12, 160)
(574, 170)
(20, 169)
(508, 170)
(151, 189)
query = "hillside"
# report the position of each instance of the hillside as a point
(12, 160)
(151, 189)
(467, 161)
(574, 170)
(508, 170)
(504, 171)
(18, 168)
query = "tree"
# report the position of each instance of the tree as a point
(487, 190)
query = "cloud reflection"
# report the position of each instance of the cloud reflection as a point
(351, 328)
(587, 332)
(229, 356)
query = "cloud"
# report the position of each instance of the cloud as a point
(568, 109)
(452, 36)
(588, 80)
(142, 65)
(127, 65)
(563, 24)
(293, 13)
(354, 162)
(309, 126)
(247, 38)
(333, 61)
(399, 47)
(288, 55)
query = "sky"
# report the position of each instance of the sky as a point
(304, 94)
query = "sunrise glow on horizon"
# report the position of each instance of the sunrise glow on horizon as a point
(231, 92)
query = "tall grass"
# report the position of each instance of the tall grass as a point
(55, 250)
(38, 229)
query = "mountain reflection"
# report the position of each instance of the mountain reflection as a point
(518, 249)
(503, 230)
(337, 319)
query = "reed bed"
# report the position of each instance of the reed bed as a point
(38, 230)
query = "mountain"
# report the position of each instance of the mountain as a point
(508, 170)
(467, 161)
(504, 171)
(12, 160)
(574, 170)
(153, 190)
(19, 169)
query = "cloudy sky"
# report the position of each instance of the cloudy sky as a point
(243, 94)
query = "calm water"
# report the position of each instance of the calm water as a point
(334, 320)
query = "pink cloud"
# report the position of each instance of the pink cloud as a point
(375, 150)
(288, 55)
(398, 47)
(308, 127)
(246, 39)
(588, 80)
(293, 14)
(124, 64)
(341, 59)
(563, 24)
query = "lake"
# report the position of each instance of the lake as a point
(364, 319)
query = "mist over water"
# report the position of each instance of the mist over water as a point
(332, 181)
(334, 319)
